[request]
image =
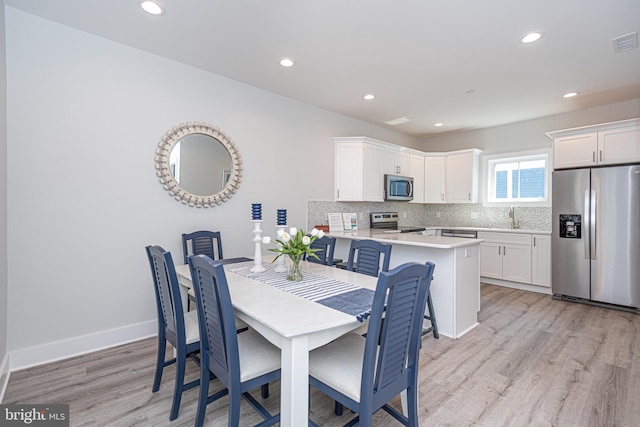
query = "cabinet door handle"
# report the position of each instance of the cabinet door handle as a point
(442, 196)
(338, 194)
(594, 157)
(469, 197)
(499, 251)
(504, 250)
(600, 155)
(534, 241)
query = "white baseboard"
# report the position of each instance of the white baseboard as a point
(4, 376)
(515, 285)
(58, 350)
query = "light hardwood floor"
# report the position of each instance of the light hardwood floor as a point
(533, 361)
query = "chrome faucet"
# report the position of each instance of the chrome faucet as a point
(512, 215)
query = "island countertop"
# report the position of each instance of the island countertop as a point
(409, 239)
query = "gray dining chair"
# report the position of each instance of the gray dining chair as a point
(180, 329)
(242, 362)
(365, 373)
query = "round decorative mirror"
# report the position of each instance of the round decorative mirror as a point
(198, 164)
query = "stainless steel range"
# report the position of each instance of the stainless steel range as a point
(388, 222)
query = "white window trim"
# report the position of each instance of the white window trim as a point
(518, 154)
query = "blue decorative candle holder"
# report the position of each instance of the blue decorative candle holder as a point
(282, 217)
(256, 211)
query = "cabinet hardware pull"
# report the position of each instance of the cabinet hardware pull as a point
(600, 155)
(594, 157)
(534, 241)
(338, 194)
(504, 250)
(469, 196)
(499, 251)
(442, 196)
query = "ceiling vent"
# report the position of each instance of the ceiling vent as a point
(625, 43)
(398, 121)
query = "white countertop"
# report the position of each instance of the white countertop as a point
(409, 239)
(501, 230)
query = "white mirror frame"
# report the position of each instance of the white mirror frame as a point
(168, 181)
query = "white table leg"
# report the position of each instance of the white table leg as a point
(294, 383)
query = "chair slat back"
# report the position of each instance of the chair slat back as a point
(366, 256)
(215, 315)
(167, 290)
(202, 243)
(326, 246)
(393, 345)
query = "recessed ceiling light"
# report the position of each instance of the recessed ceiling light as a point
(439, 124)
(287, 62)
(369, 97)
(570, 94)
(531, 37)
(152, 7)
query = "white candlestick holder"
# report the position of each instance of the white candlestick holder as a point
(281, 268)
(257, 255)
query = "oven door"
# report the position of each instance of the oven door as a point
(398, 188)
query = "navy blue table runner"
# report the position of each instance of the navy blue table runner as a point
(332, 293)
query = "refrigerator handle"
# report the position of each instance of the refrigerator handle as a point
(587, 223)
(592, 225)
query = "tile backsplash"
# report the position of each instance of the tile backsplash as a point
(452, 215)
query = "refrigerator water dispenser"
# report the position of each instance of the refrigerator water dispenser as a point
(570, 226)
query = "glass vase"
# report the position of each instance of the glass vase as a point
(295, 269)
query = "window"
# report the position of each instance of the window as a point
(517, 178)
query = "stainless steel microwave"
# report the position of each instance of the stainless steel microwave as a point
(398, 188)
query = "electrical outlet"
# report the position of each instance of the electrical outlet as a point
(404, 214)
(474, 215)
(437, 214)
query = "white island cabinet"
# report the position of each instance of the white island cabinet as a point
(455, 289)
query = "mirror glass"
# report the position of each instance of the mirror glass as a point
(198, 164)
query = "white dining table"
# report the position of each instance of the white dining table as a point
(294, 324)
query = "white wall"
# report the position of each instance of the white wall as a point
(4, 365)
(84, 118)
(530, 134)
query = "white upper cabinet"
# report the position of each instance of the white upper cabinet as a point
(396, 162)
(434, 179)
(416, 170)
(361, 163)
(358, 171)
(605, 144)
(620, 145)
(461, 176)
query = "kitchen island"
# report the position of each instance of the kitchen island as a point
(455, 288)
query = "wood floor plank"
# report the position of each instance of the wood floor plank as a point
(533, 361)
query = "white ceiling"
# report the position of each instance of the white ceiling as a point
(419, 57)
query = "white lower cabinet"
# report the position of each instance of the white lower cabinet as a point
(505, 256)
(541, 260)
(516, 258)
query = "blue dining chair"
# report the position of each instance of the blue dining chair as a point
(365, 373)
(203, 242)
(242, 362)
(364, 257)
(180, 329)
(326, 246)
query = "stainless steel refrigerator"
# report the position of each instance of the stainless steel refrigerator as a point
(596, 235)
